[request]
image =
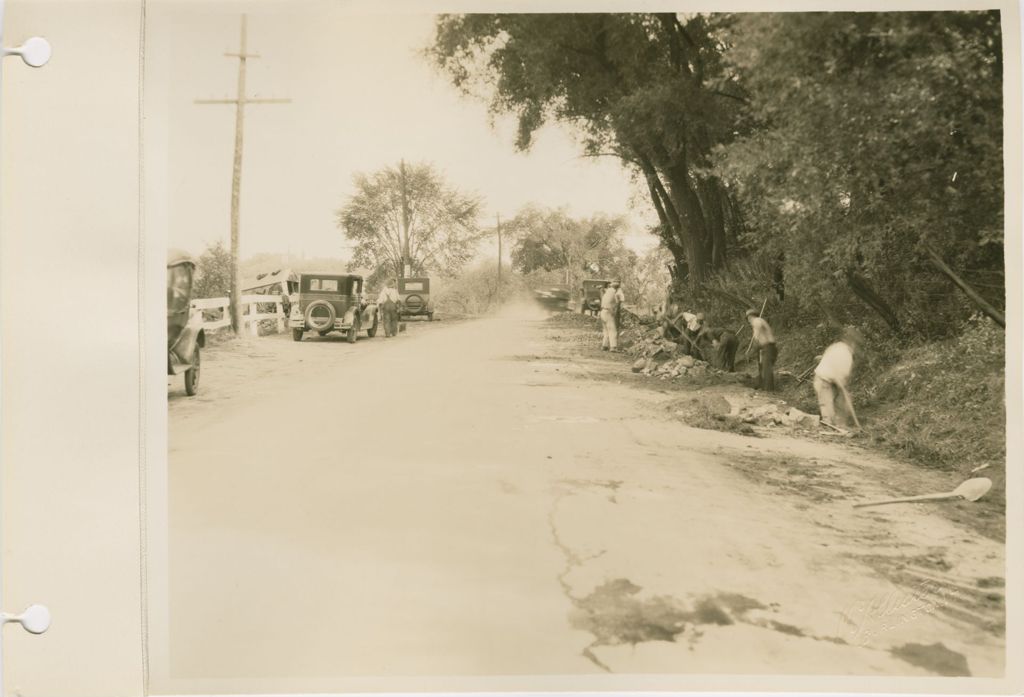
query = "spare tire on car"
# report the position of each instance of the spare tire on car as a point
(414, 302)
(320, 316)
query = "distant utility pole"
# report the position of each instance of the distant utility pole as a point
(499, 250)
(239, 101)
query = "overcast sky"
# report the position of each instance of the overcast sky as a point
(362, 98)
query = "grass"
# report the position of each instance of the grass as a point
(939, 405)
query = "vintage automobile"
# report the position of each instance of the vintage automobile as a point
(327, 302)
(555, 298)
(590, 300)
(414, 294)
(185, 334)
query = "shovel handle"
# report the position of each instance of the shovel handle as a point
(905, 499)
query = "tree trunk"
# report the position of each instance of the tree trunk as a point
(863, 290)
(406, 257)
(692, 226)
(982, 304)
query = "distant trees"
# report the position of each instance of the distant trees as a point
(409, 216)
(476, 290)
(213, 272)
(551, 240)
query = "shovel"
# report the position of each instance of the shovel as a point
(971, 490)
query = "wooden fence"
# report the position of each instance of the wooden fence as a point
(255, 308)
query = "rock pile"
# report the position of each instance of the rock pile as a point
(662, 358)
(771, 415)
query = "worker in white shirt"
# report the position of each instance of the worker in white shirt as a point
(767, 351)
(611, 300)
(831, 378)
(388, 302)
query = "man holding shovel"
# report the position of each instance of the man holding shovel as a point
(831, 378)
(767, 350)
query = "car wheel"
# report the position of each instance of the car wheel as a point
(296, 335)
(192, 375)
(413, 303)
(372, 331)
(320, 316)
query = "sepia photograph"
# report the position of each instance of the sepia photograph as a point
(563, 344)
(580, 347)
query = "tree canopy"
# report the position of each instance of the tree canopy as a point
(875, 136)
(213, 272)
(408, 215)
(830, 154)
(650, 89)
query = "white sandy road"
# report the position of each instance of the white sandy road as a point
(463, 500)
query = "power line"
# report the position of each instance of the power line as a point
(240, 100)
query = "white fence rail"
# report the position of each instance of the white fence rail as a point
(216, 313)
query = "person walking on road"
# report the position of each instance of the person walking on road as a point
(388, 302)
(767, 351)
(611, 301)
(831, 378)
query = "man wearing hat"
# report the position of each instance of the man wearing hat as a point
(611, 301)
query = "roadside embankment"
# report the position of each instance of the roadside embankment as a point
(937, 406)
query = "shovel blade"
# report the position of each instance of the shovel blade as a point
(974, 489)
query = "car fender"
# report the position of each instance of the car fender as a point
(369, 314)
(192, 335)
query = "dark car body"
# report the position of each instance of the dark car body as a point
(185, 334)
(414, 296)
(590, 298)
(327, 302)
(555, 298)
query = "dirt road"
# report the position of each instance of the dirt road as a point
(477, 498)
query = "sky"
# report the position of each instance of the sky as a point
(362, 98)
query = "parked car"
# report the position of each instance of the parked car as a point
(414, 294)
(327, 302)
(590, 300)
(185, 334)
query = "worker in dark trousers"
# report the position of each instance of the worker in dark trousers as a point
(767, 351)
(388, 302)
(723, 346)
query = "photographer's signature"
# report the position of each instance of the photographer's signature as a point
(867, 620)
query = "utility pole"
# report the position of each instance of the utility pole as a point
(499, 251)
(239, 101)
(406, 220)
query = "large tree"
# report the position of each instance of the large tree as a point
(650, 89)
(408, 216)
(876, 137)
